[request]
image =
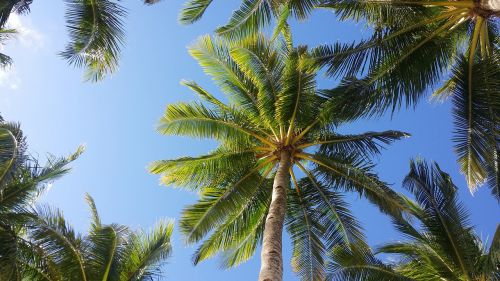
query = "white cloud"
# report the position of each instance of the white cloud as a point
(27, 38)
(9, 78)
(26, 35)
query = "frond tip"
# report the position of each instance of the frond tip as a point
(96, 36)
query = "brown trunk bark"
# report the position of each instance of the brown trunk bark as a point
(271, 268)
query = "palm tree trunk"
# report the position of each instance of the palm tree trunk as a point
(271, 268)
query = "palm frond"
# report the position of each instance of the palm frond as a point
(146, 253)
(248, 19)
(353, 173)
(196, 120)
(207, 170)
(103, 247)
(295, 103)
(355, 265)
(340, 226)
(260, 62)
(8, 152)
(193, 11)
(96, 36)
(216, 203)
(213, 55)
(477, 120)
(368, 144)
(306, 231)
(7, 7)
(60, 242)
(240, 232)
(446, 218)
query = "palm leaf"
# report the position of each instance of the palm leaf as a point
(248, 19)
(96, 33)
(477, 121)
(306, 232)
(193, 11)
(199, 172)
(8, 152)
(146, 253)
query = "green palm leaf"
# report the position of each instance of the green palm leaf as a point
(193, 11)
(306, 232)
(96, 34)
(477, 121)
(439, 242)
(248, 19)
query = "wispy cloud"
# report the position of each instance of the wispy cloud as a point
(27, 38)
(9, 78)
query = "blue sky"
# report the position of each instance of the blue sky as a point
(116, 120)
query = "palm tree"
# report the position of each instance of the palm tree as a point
(107, 252)
(95, 29)
(279, 159)
(413, 47)
(22, 179)
(440, 242)
(37, 244)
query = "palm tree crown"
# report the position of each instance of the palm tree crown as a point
(413, 47)
(440, 244)
(95, 29)
(277, 125)
(22, 179)
(36, 243)
(107, 252)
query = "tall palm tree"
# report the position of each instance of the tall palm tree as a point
(413, 47)
(440, 243)
(279, 159)
(22, 179)
(107, 252)
(95, 29)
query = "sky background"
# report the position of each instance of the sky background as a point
(116, 120)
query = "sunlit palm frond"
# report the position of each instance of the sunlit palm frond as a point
(196, 120)
(438, 244)
(193, 11)
(216, 203)
(260, 63)
(368, 144)
(351, 172)
(60, 242)
(446, 219)
(295, 104)
(213, 56)
(248, 19)
(477, 120)
(96, 33)
(207, 170)
(240, 231)
(356, 265)
(8, 152)
(306, 231)
(146, 252)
